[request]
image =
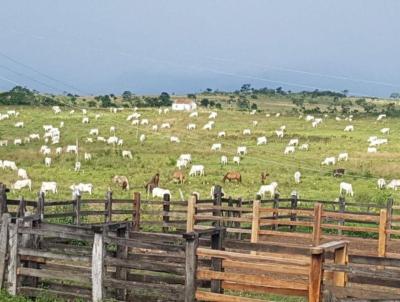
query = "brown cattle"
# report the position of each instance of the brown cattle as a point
(152, 183)
(178, 177)
(232, 176)
(122, 181)
(264, 176)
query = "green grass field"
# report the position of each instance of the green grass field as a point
(157, 154)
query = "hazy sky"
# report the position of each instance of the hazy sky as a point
(149, 46)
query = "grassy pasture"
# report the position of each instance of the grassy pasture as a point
(158, 154)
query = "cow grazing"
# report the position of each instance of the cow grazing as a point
(262, 140)
(112, 140)
(372, 150)
(174, 139)
(381, 183)
(120, 142)
(142, 138)
(241, 150)
(77, 166)
(304, 147)
(121, 181)
(279, 133)
(289, 149)
(216, 147)
(165, 126)
(293, 142)
(48, 186)
(86, 188)
(196, 170)
(94, 131)
(22, 173)
(349, 128)
(17, 141)
(178, 177)
(264, 176)
(232, 176)
(58, 150)
(127, 154)
(329, 161)
(394, 184)
(221, 134)
(346, 188)
(271, 189)
(159, 192)
(181, 163)
(72, 149)
(19, 125)
(47, 161)
(381, 117)
(236, 160)
(22, 183)
(152, 183)
(191, 127)
(246, 132)
(213, 115)
(154, 128)
(144, 121)
(385, 130)
(85, 120)
(338, 172)
(297, 177)
(224, 160)
(88, 156)
(343, 156)
(187, 157)
(194, 114)
(10, 165)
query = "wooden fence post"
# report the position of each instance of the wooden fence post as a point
(317, 224)
(13, 261)
(78, 210)
(136, 211)
(121, 273)
(108, 207)
(217, 202)
(255, 224)
(166, 208)
(190, 220)
(5, 222)
(192, 242)
(21, 207)
(340, 257)
(275, 215)
(293, 206)
(216, 263)
(3, 199)
(316, 277)
(239, 214)
(40, 205)
(98, 254)
(230, 213)
(389, 208)
(382, 241)
(342, 209)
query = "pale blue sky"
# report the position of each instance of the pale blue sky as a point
(149, 46)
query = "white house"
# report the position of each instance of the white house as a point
(183, 104)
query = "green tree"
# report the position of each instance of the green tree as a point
(204, 102)
(165, 99)
(395, 95)
(127, 95)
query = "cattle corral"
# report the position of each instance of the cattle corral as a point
(158, 154)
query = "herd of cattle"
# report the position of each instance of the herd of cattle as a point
(51, 137)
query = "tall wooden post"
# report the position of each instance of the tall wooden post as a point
(239, 214)
(217, 202)
(121, 273)
(275, 215)
(192, 242)
(40, 205)
(166, 208)
(382, 241)
(216, 263)
(14, 259)
(342, 209)
(108, 207)
(293, 206)
(389, 208)
(317, 224)
(136, 212)
(255, 225)
(5, 222)
(315, 277)
(3, 199)
(98, 254)
(21, 207)
(340, 257)
(191, 208)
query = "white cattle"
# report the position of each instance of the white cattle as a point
(94, 131)
(154, 128)
(381, 117)
(72, 149)
(88, 188)
(72, 112)
(224, 160)
(329, 161)
(394, 184)
(271, 188)
(88, 156)
(279, 133)
(304, 147)
(166, 110)
(22, 183)
(84, 111)
(216, 147)
(127, 153)
(48, 186)
(381, 183)
(385, 130)
(253, 112)
(3, 142)
(159, 110)
(297, 176)
(289, 149)
(255, 123)
(309, 118)
(221, 134)
(135, 122)
(207, 126)
(283, 127)
(85, 120)
(314, 124)
(213, 115)
(191, 127)
(19, 125)
(89, 140)
(338, 119)
(293, 142)
(58, 151)
(241, 150)
(77, 167)
(277, 115)
(112, 129)
(22, 173)
(61, 124)
(142, 138)
(97, 116)
(174, 139)
(17, 141)
(11, 112)
(10, 165)
(246, 132)
(165, 126)
(343, 156)
(47, 127)
(318, 120)
(196, 170)
(101, 139)
(194, 114)
(181, 163)
(47, 161)
(236, 160)
(262, 140)
(112, 140)
(120, 142)
(378, 142)
(27, 140)
(372, 138)
(144, 121)
(34, 136)
(372, 150)
(346, 188)
(349, 128)
(187, 157)
(158, 192)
